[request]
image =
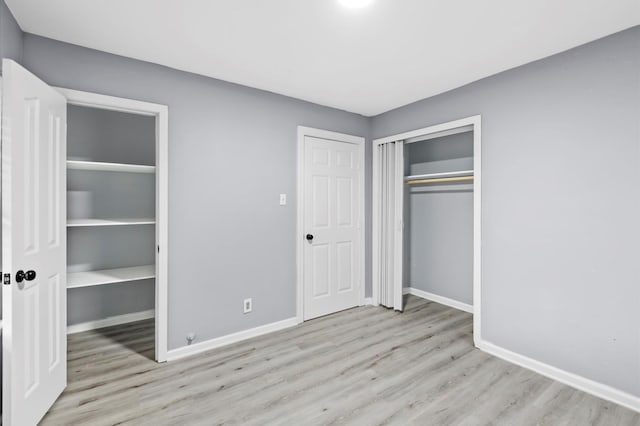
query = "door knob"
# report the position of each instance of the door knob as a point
(309, 237)
(22, 276)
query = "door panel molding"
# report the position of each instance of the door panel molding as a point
(33, 256)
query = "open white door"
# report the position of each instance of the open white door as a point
(34, 300)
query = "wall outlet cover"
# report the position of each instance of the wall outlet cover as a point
(247, 305)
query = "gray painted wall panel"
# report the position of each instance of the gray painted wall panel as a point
(232, 151)
(11, 36)
(102, 247)
(110, 136)
(108, 300)
(560, 208)
(104, 195)
(438, 228)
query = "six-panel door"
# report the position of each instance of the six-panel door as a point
(33, 245)
(331, 213)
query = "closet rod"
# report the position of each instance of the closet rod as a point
(436, 180)
(440, 175)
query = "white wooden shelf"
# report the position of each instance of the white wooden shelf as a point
(75, 223)
(109, 167)
(457, 173)
(110, 276)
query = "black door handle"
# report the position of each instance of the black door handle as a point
(22, 276)
(309, 237)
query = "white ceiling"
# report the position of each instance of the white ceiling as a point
(366, 61)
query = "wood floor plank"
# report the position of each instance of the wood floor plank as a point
(363, 366)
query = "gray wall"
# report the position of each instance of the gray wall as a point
(232, 151)
(90, 304)
(11, 36)
(110, 136)
(438, 232)
(560, 205)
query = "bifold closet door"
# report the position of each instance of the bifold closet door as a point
(388, 248)
(34, 345)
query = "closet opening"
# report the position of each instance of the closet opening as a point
(426, 224)
(438, 219)
(116, 223)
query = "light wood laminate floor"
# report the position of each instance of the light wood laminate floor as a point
(364, 366)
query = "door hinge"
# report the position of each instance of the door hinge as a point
(158, 249)
(7, 279)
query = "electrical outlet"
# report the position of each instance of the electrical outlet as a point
(248, 305)
(283, 199)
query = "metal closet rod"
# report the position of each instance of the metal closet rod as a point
(438, 180)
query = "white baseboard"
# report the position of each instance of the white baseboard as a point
(439, 299)
(197, 348)
(108, 322)
(587, 385)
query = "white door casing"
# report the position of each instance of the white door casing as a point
(473, 123)
(34, 239)
(331, 213)
(161, 114)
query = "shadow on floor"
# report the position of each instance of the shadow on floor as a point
(138, 337)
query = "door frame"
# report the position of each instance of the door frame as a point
(337, 137)
(473, 123)
(161, 114)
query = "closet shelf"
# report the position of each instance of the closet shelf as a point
(455, 176)
(110, 276)
(73, 223)
(109, 167)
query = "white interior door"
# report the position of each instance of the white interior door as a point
(34, 298)
(332, 250)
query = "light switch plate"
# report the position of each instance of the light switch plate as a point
(283, 199)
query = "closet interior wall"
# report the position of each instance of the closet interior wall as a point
(438, 218)
(112, 137)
